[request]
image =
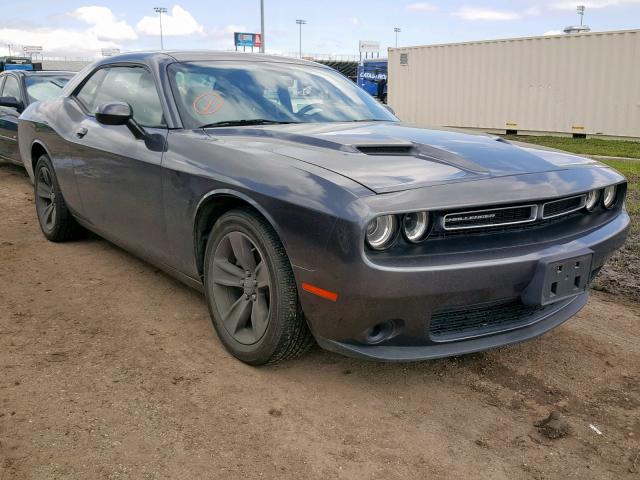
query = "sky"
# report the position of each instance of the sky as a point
(81, 28)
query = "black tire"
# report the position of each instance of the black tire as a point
(286, 334)
(56, 222)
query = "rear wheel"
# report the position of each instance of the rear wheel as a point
(251, 291)
(56, 222)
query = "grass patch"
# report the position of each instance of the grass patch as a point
(584, 146)
(631, 170)
(621, 274)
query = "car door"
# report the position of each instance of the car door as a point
(118, 176)
(9, 120)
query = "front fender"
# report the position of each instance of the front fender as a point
(302, 202)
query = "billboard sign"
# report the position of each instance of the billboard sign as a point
(31, 49)
(110, 52)
(246, 39)
(367, 46)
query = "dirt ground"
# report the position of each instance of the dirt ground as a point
(622, 273)
(110, 369)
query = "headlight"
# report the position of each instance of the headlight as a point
(415, 226)
(609, 196)
(381, 231)
(592, 199)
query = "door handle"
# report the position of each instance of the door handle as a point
(82, 132)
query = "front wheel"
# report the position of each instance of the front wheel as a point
(56, 221)
(251, 291)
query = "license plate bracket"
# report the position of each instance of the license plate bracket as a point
(558, 279)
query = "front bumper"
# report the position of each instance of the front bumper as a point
(408, 294)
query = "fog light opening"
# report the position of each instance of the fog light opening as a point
(380, 332)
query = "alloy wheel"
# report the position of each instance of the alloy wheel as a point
(46, 199)
(241, 287)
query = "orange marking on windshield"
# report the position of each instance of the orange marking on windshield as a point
(207, 103)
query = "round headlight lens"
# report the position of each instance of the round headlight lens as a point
(592, 199)
(415, 226)
(381, 231)
(609, 196)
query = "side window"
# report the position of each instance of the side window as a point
(87, 94)
(11, 88)
(132, 85)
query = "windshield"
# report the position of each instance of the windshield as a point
(43, 87)
(224, 93)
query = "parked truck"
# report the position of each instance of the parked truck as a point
(18, 63)
(372, 77)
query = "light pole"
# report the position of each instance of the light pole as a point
(581, 9)
(397, 30)
(160, 11)
(262, 25)
(301, 22)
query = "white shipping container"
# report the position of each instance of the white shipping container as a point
(582, 83)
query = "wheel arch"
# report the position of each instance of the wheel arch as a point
(37, 150)
(211, 207)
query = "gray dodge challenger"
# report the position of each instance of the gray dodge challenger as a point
(306, 211)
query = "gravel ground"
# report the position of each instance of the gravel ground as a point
(111, 369)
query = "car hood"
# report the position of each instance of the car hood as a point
(392, 156)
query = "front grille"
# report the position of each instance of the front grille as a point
(490, 217)
(509, 218)
(563, 206)
(485, 319)
(439, 233)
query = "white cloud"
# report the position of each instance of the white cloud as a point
(104, 31)
(105, 24)
(487, 14)
(421, 7)
(178, 22)
(473, 13)
(355, 21)
(571, 5)
(57, 41)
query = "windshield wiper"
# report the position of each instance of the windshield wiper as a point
(239, 123)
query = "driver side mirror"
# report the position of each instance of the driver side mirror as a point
(121, 113)
(11, 102)
(116, 113)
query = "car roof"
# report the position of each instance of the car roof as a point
(203, 55)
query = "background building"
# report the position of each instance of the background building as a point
(578, 84)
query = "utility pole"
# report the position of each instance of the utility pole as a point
(9, 45)
(301, 22)
(262, 25)
(160, 11)
(581, 9)
(397, 30)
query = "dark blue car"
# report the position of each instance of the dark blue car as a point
(18, 89)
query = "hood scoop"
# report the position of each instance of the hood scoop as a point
(387, 150)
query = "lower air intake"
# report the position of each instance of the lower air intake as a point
(484, 319)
